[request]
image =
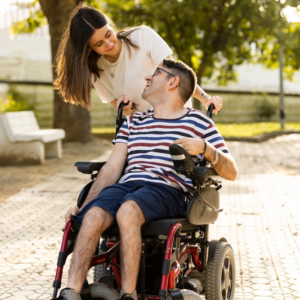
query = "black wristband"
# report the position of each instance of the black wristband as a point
(204, 149)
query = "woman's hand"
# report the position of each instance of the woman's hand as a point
(129, 108)
(72, 211)
(216, 101)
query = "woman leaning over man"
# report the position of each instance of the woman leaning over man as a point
(92, 51)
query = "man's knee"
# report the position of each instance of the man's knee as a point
(97, 215)
(130, 214)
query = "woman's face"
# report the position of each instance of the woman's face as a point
(104, 41)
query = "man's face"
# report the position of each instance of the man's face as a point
(157, 83)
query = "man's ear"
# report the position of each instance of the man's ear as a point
(174, 82)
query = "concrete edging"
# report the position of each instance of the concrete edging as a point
(261, 137)
(255, 139)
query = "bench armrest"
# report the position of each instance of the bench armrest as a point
(203, 173)
(88, 167)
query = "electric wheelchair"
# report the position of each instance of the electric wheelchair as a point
(178, 259)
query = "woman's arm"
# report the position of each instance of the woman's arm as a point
(205, 99)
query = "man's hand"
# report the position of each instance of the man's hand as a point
(72, 211)
(129, 108)
(191, 145)
(216, 101)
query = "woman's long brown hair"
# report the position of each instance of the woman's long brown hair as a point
(75, 67)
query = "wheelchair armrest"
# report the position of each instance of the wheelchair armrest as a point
(203, 173)
(88, 167)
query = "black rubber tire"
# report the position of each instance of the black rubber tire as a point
(100, 270)
(220, 274)
(188, 295)
(102, 291)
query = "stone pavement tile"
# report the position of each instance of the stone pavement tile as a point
(6, 296)
(295, 287)
(262, 298)
(23, 293)
(295, 293)
(34, 296)
(293, 281)
(262, 293)
(259, 280)
(257, 270)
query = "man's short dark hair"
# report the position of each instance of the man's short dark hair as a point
(188, 78)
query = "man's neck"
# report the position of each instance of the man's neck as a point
(169, 111)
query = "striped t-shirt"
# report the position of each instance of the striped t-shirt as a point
(148, 140)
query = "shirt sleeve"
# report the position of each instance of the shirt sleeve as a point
(155, 47)
(123, 134)
(213, 136)
(105, 95)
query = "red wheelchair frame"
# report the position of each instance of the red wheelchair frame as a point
(167, 280)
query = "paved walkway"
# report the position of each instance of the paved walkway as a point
(261, 219)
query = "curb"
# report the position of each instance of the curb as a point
(261, 137)
(255, 139)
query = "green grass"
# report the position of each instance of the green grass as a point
(252, 129)
(230, 130)
(104, 130)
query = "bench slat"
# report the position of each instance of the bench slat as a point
(44, 135)
(21, 122)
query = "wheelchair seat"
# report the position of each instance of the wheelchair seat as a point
(156, 227)
(153, 228)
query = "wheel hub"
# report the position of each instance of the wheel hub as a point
(226, 279)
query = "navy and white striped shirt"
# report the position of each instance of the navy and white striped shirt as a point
(148, 140)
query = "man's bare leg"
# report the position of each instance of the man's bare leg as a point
(94, 223)
(130, 219)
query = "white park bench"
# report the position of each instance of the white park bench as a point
(23, 142)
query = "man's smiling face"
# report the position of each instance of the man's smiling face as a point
(157, 83)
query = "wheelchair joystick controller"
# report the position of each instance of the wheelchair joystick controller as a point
(183, 162)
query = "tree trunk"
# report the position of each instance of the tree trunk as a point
(75, 120)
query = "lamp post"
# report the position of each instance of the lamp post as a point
(282, 111)
(281, 54)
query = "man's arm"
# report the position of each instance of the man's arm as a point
(108, 175)
(225, 167)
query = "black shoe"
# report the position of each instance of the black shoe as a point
(68, 294)
(126, 297)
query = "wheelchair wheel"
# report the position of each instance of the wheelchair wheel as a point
(100, 270)
(220, 274)
(188, 295)
(102, 291)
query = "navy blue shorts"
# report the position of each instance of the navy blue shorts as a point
(157, 201)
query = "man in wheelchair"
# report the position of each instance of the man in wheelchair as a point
(149, 188)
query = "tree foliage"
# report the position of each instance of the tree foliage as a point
(37, 18)
(214, 36)
(211, 36)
